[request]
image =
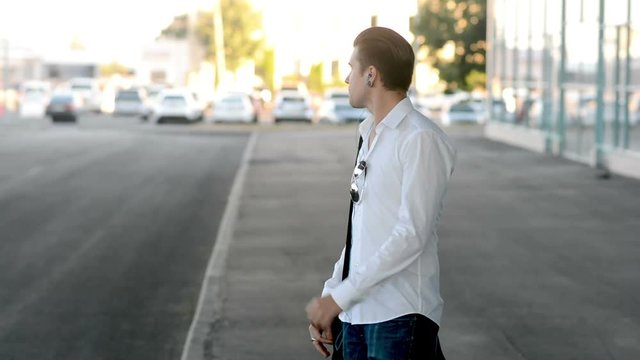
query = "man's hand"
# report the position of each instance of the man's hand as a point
(320, 339)
(321, 312)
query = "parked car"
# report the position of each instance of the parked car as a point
(129, 102)
(462, 112)
(176, 104)
(235, 107)
(292, 105)
(33, 104)
(151, 100)
(88, 92)
(336, 109)
(64, 106)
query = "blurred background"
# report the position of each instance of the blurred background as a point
(567, 71)
(125, 126)
(277, 52)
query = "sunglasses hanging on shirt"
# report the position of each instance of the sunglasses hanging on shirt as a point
(355, 190)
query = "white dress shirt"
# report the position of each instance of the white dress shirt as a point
(394, 260)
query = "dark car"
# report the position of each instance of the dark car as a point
(63, 107)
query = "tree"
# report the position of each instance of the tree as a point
(455, 33)
(266, 68)
(241, 29)
(113, 69)
(315, 78)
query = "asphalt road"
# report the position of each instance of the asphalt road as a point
(104, 241)
(105, 235)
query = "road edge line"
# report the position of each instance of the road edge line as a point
(217, 261)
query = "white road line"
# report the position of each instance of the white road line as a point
(209, 306)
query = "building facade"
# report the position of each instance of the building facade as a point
(165, 61)
(564, 78)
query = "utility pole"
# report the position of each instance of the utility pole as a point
(218, 43)
(194, 59)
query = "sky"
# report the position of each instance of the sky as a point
(117, 28)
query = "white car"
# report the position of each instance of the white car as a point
(151, 100)
(335, 109)
(88, 90)
(234, 107)
(129, 102)
(463, 112)
(178, 105)
(292, 105)
(33, 104)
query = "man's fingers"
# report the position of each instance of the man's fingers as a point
(314, 332)
(321, 336)
(321, 349)
(328, 335)
(324, 340)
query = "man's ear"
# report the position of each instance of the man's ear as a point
(371, 70)
(371, 76)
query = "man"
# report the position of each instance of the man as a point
(389, 301)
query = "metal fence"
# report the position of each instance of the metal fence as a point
(569, 69)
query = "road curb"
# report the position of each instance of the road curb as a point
(198, 344)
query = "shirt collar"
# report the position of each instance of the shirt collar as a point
(393, 118)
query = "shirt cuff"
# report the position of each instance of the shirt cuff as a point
(345, 295)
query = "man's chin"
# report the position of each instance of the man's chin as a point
(356, 106)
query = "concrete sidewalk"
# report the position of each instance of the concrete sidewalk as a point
(539, 258)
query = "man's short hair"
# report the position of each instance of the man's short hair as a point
(388, 52)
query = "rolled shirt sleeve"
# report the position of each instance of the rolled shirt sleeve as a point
(427, 164)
